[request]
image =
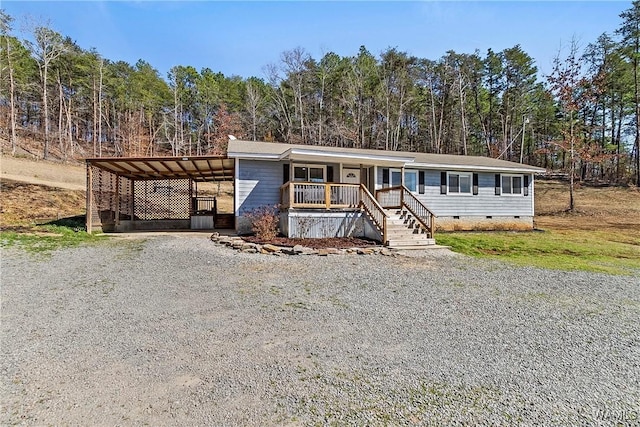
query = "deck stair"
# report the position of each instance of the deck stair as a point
(405, 232)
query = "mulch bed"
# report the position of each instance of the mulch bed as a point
(333, 242)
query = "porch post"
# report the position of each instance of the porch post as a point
(327, 195)
(402, 186)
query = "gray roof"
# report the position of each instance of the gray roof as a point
(276, 151)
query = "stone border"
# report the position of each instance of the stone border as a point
(239, 244)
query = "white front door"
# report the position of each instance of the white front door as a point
(350, 176)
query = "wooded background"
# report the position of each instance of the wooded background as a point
(581, 120)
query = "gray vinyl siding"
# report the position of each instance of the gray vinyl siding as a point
(485, 203)
(258, 184)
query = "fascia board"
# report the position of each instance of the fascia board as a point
(475, 168)
(333, 154)
(254, 156)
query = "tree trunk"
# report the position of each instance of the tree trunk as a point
(12, 105)
(45, 111)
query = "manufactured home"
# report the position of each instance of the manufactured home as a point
(398, 198)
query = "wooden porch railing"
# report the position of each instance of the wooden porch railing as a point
(305, 195)
(325, 195)
(401, 197)
(370, 205)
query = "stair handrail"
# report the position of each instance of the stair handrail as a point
(426, 218)
(375, 211)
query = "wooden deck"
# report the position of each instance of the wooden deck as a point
(337, 196)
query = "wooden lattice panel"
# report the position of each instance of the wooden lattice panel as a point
(125, 199)
(162, 199)
(103, 191)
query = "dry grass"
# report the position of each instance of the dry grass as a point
(24, 205)
(609, 210)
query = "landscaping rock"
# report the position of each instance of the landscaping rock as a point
(365, 251)
(269, 248)
(298, 249)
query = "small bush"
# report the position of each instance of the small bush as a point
(264, 222)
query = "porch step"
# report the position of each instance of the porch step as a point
(406, 243)
(404, 232)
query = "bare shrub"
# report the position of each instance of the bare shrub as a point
(264, 222)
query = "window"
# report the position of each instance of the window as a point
(512, 184)
(309, 173)
(459, 183)
(411, 180)
(391, 177)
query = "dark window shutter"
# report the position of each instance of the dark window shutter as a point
(420, 182)
(525, 190)
(498, 186)
(475, 184)
(385, 177)
(285, 173)
(443, 183)
(329, 173)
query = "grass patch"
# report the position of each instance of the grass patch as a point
(561, 250)
(63, 233)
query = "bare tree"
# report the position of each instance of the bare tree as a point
(253, 103)
(48, 46)
(5, 29)
(567, 84)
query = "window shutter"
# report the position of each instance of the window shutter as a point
(285, 173)
(443, 183)
(475, 184)
(385, 177)
(498, 185)
(525, 190)
(420, 182)
(329, 173)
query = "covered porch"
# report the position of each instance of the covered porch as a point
(156, 193)
(310, 200)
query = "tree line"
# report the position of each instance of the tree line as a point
(583, 119)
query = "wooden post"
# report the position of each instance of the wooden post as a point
(384, 230)
(89, 217)
(192, 207)
(327, 195)
(292, 188)
(117, 218)
(133, 198)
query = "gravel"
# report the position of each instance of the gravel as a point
(176, 330)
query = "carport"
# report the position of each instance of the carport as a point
(154, 193)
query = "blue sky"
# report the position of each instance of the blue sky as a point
(240, 38)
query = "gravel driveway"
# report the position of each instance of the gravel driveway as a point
(175, 330)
